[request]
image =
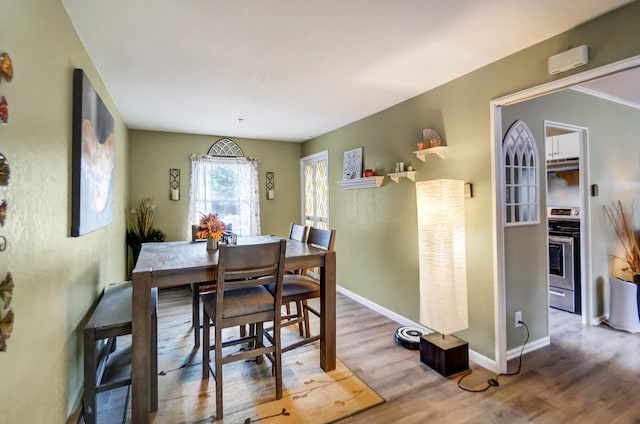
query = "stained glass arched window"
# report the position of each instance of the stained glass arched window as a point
(521, 174)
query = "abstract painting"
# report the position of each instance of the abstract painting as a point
(93, 159)
(352, 164)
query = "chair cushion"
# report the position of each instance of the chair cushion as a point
(297, 286)
(239, 302)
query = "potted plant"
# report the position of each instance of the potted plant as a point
(624, 313)
(622, 223)
(141, 227)
(212, 229)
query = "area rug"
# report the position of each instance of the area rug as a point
(310, 395)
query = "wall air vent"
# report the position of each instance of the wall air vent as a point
(568, 60)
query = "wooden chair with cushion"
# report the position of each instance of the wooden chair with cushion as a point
(242, 299)
(196, 290)
(299, 233)
(301, 287)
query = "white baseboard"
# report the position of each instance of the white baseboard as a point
(381, 309)
(478, 358)
(530, 347)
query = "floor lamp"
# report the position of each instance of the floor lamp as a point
(443, 274)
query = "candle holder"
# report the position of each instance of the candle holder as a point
(174, 184)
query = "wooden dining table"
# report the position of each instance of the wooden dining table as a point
(172, 264)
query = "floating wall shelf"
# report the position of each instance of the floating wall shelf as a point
(411, 175)
(438, 150)
(367, 182)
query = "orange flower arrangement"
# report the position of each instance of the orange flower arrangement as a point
(211, 226)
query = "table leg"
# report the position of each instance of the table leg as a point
(140, 352)
(328, 312)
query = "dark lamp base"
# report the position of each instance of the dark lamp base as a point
(448, 355)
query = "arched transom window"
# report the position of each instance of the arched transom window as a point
(521, 170)
(225, 147)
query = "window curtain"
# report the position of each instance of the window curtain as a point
(229, 187)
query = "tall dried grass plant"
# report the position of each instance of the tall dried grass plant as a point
(622, 223)
(142, 227)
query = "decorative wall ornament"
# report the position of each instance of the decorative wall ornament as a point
(6, 67)
(93, 159)
(271, 185)
(352, 164)
(4, 111)
(6, 315)
(3, 212)
(174, 184)
(4, 170)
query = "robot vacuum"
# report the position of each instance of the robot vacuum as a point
(409, 337)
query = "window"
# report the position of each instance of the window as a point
(315, 182)
(228, 186)
(521, 194)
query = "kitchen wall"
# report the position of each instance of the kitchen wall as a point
(56, 277)
(376, 240)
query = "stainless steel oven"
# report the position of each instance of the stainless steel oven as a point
(564, 259)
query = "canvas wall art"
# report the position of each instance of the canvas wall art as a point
(93, 159)
(352, 164)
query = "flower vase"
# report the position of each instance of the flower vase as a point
(212, 244)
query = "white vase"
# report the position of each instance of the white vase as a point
(212, 244)
(623, 313)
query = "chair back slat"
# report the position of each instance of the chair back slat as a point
(243, 266)
(298, 232)
(321, 238)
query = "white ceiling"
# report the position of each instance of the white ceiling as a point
(294, 69)
(623, 87)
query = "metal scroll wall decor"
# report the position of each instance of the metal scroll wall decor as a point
(6, 314)
(6, 286)
(6, 74)
(4, 181)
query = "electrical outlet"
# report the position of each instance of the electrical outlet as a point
(518, 319)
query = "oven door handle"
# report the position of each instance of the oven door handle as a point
(560, 239)
(556, 293)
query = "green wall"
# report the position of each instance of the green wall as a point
(613, 163)
(376, 228)
(57, 278)
(152, 154)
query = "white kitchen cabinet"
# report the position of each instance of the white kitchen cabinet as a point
(564, 146)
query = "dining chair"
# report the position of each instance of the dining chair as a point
(299, 233)
(196, 290)
(299, 288)
(241, 299)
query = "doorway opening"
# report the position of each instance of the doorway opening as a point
(501, 319)
(566, 150)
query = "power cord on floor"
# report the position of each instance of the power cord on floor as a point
(493, 382)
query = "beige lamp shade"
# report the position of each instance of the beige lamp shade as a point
(441, 244)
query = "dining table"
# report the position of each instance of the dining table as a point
(173, 264)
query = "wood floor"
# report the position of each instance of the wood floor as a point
(586, 375)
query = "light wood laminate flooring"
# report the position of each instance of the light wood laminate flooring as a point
(586, 375)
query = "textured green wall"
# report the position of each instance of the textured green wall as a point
(152, 154)
(57, 278)
(376, 228)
